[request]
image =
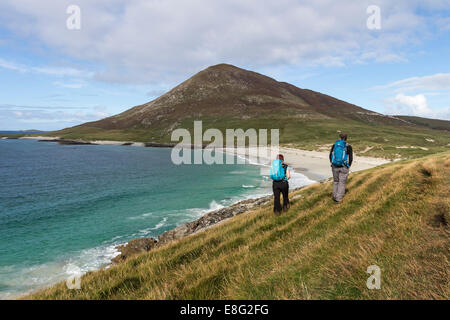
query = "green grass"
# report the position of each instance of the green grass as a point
(385, 141)
(12, 136)
(430, 123)
(394, 216)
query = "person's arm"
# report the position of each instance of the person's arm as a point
(331, 152)
(350, 155)
(288, 172)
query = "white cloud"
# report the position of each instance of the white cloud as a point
(100, 112)
(439, 81)
(68, 85)
(62, 71)
(26, 107)
(47, 70)
(144, 41)
(414, 106)
(52, 116)
(12, 66)
(443, 24)
(49, 114)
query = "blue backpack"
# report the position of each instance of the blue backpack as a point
(339, 157)
(277, 172)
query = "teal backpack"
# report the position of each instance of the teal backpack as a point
(277, 171)
(339, 157)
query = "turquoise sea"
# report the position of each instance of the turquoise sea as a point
(64, 208)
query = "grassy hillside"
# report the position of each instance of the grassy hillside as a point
(369, 140)
(395, 216)
(430, 123)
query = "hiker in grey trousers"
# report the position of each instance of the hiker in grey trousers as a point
(340, 173)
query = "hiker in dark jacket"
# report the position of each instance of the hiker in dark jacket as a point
(341, 158)
(281, 186)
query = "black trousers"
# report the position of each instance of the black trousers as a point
(280, 187)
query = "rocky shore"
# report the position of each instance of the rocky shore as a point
(208, 220)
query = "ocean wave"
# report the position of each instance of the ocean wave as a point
(150, 231)
(299, 180)
(249, 160)
(142, 216)
(21, 280)
(198, 212)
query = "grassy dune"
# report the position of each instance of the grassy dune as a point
(394, 216)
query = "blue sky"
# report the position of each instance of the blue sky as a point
(129, 52)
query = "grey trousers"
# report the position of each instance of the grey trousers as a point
(340, 175)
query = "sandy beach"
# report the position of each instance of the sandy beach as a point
(313, 164)
(38, 138)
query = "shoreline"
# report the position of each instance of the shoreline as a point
(208, 220)
(145, 244)
(311, 164)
